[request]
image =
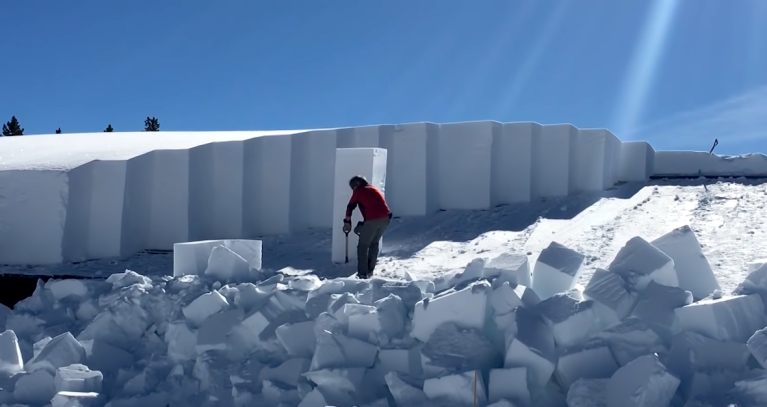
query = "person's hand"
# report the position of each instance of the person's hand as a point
(347, 226)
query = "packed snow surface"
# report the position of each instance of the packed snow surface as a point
(674, 315)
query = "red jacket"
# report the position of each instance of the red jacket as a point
(371, 202)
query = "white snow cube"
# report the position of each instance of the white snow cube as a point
(631, 339)
(612, 300)
(587, 393)
(457, 389)
(643, 382)
(466, 308)
(204, 306)
(531, 347)
(339, 351)
(508, 384)
(77, 399)
(757, 345)
(692, 268)
(733, 318)
(10, 355)
(63, 350)
(78, 378)
(571, 319)
(513, 268)
(557, 269)
(656, 306)
(638, 262)
(590, 360)
(297, 339)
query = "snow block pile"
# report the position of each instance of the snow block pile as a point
(650, 330)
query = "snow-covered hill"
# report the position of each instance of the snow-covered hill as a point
(725, 215)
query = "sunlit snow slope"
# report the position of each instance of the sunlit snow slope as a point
(727, 217)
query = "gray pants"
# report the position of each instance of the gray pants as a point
(368, 247)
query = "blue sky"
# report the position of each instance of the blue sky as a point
(677, 73)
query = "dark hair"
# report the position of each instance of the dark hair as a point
(359, 180)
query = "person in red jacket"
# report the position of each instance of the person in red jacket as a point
(376, 217)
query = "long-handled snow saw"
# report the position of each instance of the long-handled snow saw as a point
(346, 250)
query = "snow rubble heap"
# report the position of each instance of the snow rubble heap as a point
(644, 332)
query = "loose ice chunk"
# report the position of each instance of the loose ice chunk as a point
(513, 268)
(363, 322)
(392, 316)
(129, 278)
(755, 283)
(612, 300)
(508, 296)
(508, 384)
(557, 269)
(733, 318)
(589, 360)
(571, 320)
(466, 308)
(297, 339)
(532, 347)
(339, 351)
(204, 306)
(63, 350)
(472, 272)
(289, 372)
(78, 378)
(76, 399)
(34, 388)
(643, 382)
(656, 306)
(104, 357)
(757, 345)
(406, 361)
(587, 393)
(67, 289)
(460, 349)
(639, 262)
(215, 329)
(181, 341)
(692, 268)
(458, 389)
(227, 266)
(403, 393)
(631, 339)
(313, 399)
(10, 354)
(699, 362)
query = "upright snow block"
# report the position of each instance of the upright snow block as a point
(215, 190)
(465, 163)
(637, 161)
(266, 185)
(596, 160)
(410, 168)
(156, 201)
(371, 164)
(313, 165)
(557, 161)
(512, 163)
(362, 137)
(93, 228)
(40, 196)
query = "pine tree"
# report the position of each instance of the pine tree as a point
(109, 129)
(58, 131)
(12, 128)
(151, 124)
